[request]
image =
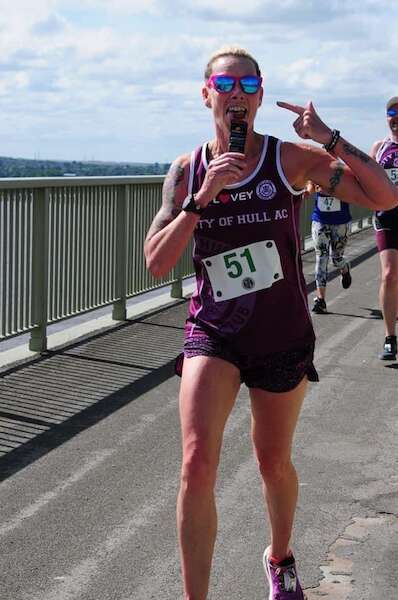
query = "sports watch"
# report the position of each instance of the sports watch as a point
(189, 205)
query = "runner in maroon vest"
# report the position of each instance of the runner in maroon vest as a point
(385, 152)
(248, 319)
(252, 229)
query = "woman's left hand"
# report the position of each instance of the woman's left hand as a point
(308, 124)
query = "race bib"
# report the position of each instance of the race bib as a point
(393, 175)
(243, 270)
(328, 204)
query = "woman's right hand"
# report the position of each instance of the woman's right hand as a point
(226, 169)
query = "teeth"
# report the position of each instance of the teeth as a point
(236, 109)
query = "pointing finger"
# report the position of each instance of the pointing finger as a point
(310, 106)
(292, 107)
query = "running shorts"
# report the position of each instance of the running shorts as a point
(278, 372)
(386, 228)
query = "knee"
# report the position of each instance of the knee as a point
(390, 278)
(274, 468)
(198, 471)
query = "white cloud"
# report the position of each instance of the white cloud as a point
(51, 24)
(120, 6)
(79, 70)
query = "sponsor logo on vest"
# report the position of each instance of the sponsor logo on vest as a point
(224, 198)
(389, 157)
(248, 283)
(266, 190)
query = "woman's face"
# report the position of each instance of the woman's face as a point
(235, 104)
(393, 121)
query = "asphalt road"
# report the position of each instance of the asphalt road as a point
(91, 453)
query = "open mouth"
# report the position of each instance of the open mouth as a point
(394, 125)
(237, 112)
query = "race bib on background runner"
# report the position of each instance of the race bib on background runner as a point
(243, 270)
(328, 204)
(392, 175)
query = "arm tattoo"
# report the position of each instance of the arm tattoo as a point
(173, 179)
(335, 179)
(169, 210)
(348, 149)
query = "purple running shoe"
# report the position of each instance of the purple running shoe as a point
(283, 581)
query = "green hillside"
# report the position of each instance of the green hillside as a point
(23, 167)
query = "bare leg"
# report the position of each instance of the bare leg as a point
(274, 418)
(208, 390)
(388, 294)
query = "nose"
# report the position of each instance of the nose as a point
(237, 92)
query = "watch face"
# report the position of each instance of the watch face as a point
(186, 202)
(190, 206)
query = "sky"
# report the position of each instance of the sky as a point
(120, 80)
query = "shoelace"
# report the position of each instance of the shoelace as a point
(287, 578)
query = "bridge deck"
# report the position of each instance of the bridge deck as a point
(90, 453)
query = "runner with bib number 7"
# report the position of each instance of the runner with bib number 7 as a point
(248, 319)
(329, 228)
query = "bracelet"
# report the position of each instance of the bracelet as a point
(333, 140)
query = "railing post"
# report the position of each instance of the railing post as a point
(176, 285)
(176, 288)
(38, 338)
(119, 312)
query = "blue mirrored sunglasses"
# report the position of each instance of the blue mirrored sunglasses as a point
(223, 83)
(392, 112)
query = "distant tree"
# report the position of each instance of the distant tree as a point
(22, 167)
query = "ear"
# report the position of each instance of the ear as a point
(260, 100)
(206, 96)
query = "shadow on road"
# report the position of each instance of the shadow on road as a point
(46, 401)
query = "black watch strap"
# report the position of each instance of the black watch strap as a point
(189, 205)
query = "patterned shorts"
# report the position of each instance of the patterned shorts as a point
(278, 372)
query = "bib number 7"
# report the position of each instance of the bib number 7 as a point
(329, 204)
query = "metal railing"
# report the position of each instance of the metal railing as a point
(71, 245)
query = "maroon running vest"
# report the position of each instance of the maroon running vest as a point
(387, 157)
(250, 286)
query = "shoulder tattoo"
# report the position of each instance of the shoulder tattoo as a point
(168, 210)
(173, 179)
